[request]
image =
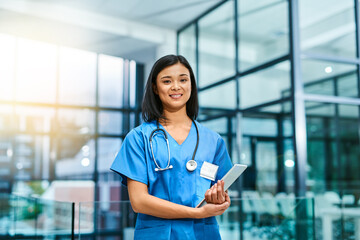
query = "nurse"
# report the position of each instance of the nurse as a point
(155, 160)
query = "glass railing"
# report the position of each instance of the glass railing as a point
(34, 218)
(263, 218)
(338, 217)
(268, 218)
(323, 216)
(106, 220)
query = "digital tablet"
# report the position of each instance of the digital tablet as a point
(229, 178)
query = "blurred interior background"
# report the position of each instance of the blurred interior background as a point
(278, 79)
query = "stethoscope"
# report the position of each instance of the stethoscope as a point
(190, 165)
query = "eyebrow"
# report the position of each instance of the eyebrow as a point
(181, 75)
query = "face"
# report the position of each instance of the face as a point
(173, 86)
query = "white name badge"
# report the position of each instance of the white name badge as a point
(209, 171)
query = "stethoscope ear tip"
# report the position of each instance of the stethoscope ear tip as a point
(156, 169)
(171, 166)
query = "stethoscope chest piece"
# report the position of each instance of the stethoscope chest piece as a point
(191, 165)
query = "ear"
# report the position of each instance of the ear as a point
(155, 89)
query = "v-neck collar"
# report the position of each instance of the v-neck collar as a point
(169, 135)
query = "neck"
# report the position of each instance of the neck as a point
(175, 117)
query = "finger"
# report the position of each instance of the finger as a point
(208, 195)
(214, 194)
(220, 192)
(227, 198)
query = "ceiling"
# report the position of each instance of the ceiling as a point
(138, 29)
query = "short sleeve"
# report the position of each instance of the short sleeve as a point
(222, 159)
(130, 161)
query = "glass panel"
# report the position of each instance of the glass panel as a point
(108, 149)
(216, 45)
(187, 46)
(333, 146)
(6, 118)
(219, 125)
(75, 158)
(222, 96)
(6, 153)
(329, 78)
(116, 219)
(268, 217)
(266, 166)
(34, 218)
(77, 77)
(263, 35)
(110, 122)
(274, 82)
(328, 27)
(7, 63)
(76, 121)
(132, 83)
(111, 74)
(34, 119)
(36, 71)
(258, 126)
(31, 157)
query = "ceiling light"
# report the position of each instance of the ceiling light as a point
(85, 162)
(328, 69)
(289, 163)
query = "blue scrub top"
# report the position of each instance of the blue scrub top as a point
(177, 185)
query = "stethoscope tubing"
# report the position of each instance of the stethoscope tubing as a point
(155, 132)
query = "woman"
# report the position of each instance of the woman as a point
(163, 182)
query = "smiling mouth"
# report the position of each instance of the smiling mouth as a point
(175, 95)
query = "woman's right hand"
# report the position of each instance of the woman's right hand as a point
(210, 209)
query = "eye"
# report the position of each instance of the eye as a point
(183, 80)
(166, 81)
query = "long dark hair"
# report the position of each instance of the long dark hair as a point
(152, 108)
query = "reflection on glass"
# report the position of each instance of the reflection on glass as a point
(34, 119)
(187, 45)
(223, 96)
(108, 148)
(7, 63)
(274, 82)
(110, 122)
(76, 121)
(111, 79)
(263, 31)
(328, 78)
(333, 146)
(75, 158)
(36, 71)
(77, 77)
(328, 27)
(216, 45)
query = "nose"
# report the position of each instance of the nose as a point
(175, 86)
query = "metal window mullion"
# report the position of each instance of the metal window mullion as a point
(357, 35)
(298, 117)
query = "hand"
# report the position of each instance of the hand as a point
(216, 193)
(210, 209)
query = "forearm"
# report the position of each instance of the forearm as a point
(154, 206)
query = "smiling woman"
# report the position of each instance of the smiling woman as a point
(161, 161)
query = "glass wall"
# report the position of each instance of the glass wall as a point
(63, 114)
(252, 64)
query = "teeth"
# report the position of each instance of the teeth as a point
(178, 95)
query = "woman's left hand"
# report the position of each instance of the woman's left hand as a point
(216, 193)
